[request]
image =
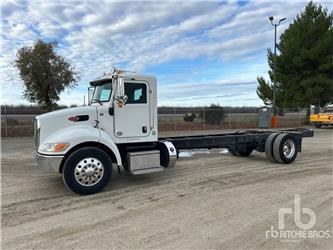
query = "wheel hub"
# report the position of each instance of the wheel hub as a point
(289, 148)
(89, 171)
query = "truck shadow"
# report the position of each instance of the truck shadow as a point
(125, 180)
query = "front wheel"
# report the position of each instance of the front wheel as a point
(87, 170)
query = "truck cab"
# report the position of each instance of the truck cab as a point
(126, 107)
(118, 127)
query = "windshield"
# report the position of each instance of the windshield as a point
(102, 93)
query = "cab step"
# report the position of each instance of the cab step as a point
(147, 170)
(144, 162)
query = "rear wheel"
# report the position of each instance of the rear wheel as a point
(231, 151)
(244, 152)
(87, 170)
(269, 147)
(285, 149)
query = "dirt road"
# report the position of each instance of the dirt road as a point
(208, 201)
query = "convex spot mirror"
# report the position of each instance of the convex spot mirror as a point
(121, 99)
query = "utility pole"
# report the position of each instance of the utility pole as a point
(274, 118)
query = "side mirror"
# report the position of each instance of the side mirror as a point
(125, 97)
(90, 94)
(121, 99)
(120, 96)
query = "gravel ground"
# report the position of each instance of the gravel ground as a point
(211, 200)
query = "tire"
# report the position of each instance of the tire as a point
(285, 149)
(269, 147)
(87, 170)
(231, 151)
(245, 152)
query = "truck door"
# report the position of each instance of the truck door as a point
(133, 119)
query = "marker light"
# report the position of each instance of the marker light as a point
(54, 147)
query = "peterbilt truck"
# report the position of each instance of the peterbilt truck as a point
(119, 127)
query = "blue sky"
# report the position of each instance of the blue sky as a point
(200, 52)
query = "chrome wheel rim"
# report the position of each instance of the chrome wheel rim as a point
(289, 148)
(89, 171)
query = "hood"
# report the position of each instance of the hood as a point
(60, 119)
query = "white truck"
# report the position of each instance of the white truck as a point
(120, 127)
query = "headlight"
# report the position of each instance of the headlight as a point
(54, 147)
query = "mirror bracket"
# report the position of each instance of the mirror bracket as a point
(90, 94)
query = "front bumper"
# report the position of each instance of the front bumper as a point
(49, 163)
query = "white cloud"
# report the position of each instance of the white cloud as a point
(94, 35)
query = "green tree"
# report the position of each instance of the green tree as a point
(304, 66)
(44, 73)
(213, 115)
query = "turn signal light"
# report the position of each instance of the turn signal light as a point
(54, 147)
(60, 147)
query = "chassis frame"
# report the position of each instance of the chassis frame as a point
(240, 139)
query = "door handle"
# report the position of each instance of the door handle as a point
(144, 129)
(111, 111)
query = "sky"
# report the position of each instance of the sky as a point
(200, 52)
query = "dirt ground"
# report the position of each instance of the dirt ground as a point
(211, 200)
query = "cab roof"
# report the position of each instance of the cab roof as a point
(108, 77)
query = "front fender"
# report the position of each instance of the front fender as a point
(80, 134)
(107, 141)
(73, 135)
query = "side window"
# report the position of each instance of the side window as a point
(105, 93)
(136, 92)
